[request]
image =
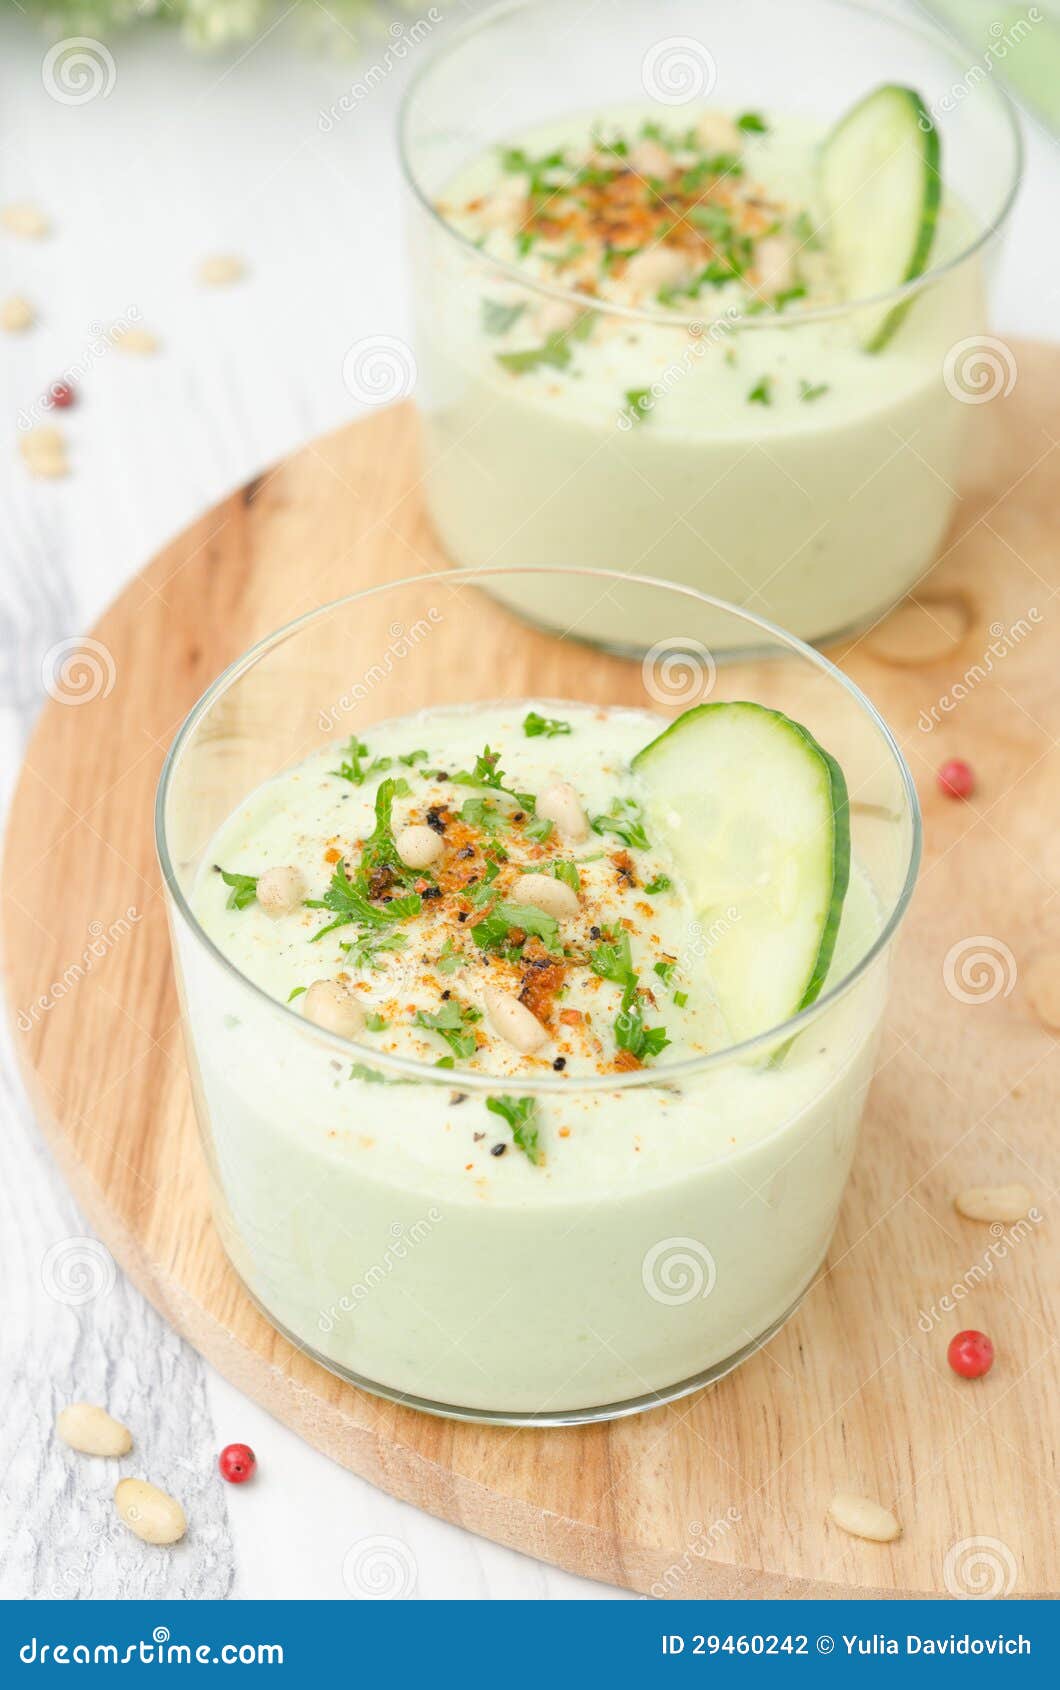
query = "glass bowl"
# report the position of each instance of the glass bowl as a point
(684, 1219)
(819, 508)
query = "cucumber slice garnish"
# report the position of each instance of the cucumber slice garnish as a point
(880, 190)
(755, 814)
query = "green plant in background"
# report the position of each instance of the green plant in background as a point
(208, 23)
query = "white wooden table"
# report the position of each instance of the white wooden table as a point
(184, 158)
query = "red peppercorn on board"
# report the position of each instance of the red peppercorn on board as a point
(727, 1492)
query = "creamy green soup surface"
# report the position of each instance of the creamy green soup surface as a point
(562, 1199)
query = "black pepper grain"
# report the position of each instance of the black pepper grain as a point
(498, 1149)
(559, 1064)
(595, 932)
(435, 820)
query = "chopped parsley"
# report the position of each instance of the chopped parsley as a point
(480, 812)
(639, 403)
(554, 352)
(626, 818)
(366, 949)
(348, 902)
(752, 123)
(483, 892)
(534, 726)
(493, 932)
(487, 774)
(374, 1021)
(567, 872)
(665, 971)
(762, 392)
(520, 1114)
(353, 769)
(453, 1022)
(809, 391)
(450, 960)
(539, 828)
(244, 888)
(498, 318)
(630, 1031)
(296, 993)
(410, 758)
(661, 883)
(613, 959)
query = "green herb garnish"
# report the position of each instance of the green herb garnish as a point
(520, 1112)
(450, 959)
(412, 757)
(539, 828)
(374, 1021)
(498, 318)
(752, 123)
(630, 1031)
(762, 392)
(661, 883)
(567, 872)
(809, 391)
(626, 818)
(613, 960)
(487, 774)
(554, 352)
(639, 403)
(452, 1022)
(534, 726)
(297, 992)
(493, 931)
(244, 888)
(365, 951)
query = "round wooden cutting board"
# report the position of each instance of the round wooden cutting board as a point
(726, 1492)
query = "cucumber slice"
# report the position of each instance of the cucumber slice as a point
(880, 191)
(756, 816)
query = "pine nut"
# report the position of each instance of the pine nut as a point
(25, 220)
(89, 1428)
(513, 1022)
(140, 341)
(149, 1512)
(553, 896)
(280, 890)
(994, 1202)
(329, 1005)
(561, 804)
(221, 269)
(16, 314)
(862, 1517)
(418, 846)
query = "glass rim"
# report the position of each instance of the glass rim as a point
(411, 1068)
(889, 299)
